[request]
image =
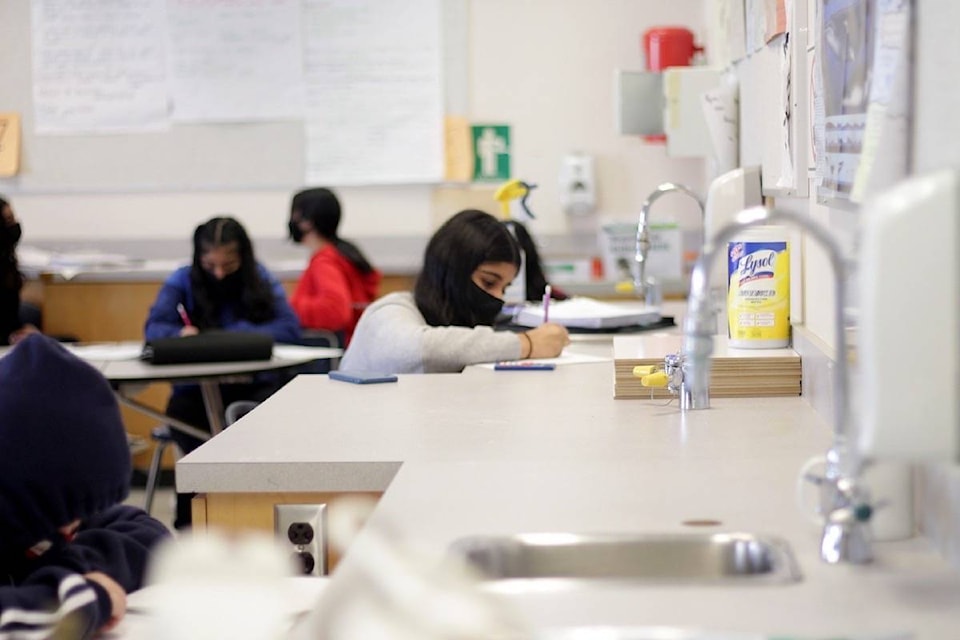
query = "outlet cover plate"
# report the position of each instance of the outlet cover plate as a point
(302, 527)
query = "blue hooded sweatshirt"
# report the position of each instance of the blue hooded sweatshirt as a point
(64, 457)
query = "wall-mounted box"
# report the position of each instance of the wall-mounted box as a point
(638, 102)
(683, 117)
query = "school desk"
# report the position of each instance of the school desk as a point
(111, 304)
(129, 375)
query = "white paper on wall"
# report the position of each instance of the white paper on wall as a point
(885, 153)
(232, 62)
(98, 66)
(374, 94)
(721, 113)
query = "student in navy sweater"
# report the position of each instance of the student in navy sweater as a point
(225, 288)
(69, 551)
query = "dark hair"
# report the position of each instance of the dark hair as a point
(536, 281)
(320, 207)
(463, 243)
(10, 277)
(254, 299)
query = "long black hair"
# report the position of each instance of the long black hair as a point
(10, 277)
(244, 290)
(320, 207)
(459, 246)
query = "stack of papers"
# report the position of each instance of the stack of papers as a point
(734, 373)
(587, 313)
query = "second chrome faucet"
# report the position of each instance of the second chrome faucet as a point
(645, 286)
(844, 501)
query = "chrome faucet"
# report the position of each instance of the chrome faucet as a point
(673, 377)
(844, 501)
(647, 288)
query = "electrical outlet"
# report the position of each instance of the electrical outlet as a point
(302, 527)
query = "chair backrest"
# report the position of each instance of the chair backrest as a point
(237, 409)
(321, 338)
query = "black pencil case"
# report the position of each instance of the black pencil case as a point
(209, 346)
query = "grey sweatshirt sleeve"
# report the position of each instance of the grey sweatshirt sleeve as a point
(392, 337)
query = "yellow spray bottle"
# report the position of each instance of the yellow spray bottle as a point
(506, 194)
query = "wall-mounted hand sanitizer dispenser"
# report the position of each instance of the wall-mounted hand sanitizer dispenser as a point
(909, 335)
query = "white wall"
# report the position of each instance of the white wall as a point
(545, 67)
(936, 145)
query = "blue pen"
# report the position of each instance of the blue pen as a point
(524, 365)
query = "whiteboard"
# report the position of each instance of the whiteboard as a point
(185, 157)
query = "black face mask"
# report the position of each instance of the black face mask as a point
(484, 307)
(228, 290)
(296, 233)
(10, 235)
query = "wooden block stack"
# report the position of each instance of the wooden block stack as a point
(735, 373)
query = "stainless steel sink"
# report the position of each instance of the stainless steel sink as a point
(717, 558)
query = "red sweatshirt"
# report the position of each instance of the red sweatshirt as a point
(332, 293)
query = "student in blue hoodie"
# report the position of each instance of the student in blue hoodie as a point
(69, 550)
(225, 288)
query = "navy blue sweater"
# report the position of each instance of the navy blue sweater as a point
(47, 593)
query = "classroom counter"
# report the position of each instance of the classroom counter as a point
(501, 452)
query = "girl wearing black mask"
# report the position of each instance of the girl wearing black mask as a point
(339, 282)
(445, 323)
(12, 328)
(225, 288)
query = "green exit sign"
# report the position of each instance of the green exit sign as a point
(491, 152)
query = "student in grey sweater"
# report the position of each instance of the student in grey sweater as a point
(445, 323)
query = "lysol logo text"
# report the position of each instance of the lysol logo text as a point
(755, 265)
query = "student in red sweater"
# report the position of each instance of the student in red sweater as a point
(339, 282)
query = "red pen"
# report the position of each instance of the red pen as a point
(183, 315)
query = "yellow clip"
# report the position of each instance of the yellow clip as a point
(624, 286)
(644, 370)
(509, 190)
(658, 379)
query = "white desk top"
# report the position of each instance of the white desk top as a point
(119, 362)
(489, 452)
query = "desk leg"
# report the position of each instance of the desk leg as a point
(162, 417)
(213, 403)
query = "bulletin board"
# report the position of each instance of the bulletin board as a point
(865, 66)
(185, 156)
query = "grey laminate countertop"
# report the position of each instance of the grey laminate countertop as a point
(488, 452)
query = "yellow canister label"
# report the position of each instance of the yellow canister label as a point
(758, 295)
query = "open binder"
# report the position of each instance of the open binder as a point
(587, 313)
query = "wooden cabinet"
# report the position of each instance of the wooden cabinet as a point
(238, 512)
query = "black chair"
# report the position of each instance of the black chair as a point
(237, 409)
(321, 338)
(162, 439)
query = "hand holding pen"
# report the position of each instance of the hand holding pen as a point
(547, 292)
(188, 328)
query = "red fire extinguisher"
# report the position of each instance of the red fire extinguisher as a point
(668, 47)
